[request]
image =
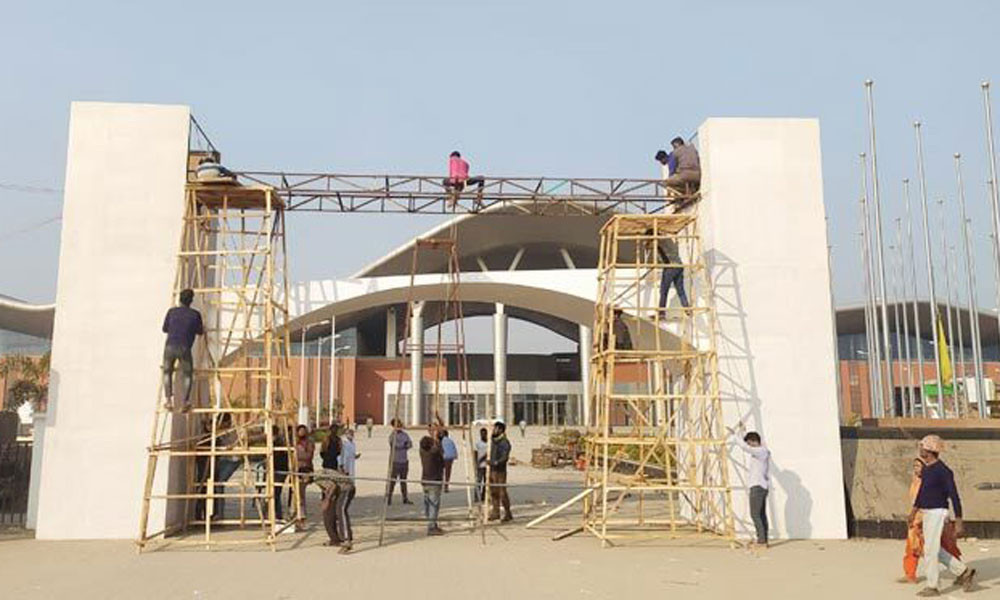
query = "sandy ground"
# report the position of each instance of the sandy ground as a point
(513, 561)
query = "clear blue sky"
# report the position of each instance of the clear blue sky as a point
(522, 88)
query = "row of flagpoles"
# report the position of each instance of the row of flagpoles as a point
(882, 384)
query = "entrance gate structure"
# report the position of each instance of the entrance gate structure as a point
(657, 460)
(213, 464)
(659, 453)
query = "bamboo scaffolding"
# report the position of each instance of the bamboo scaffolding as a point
(232, 255)
(657, 462)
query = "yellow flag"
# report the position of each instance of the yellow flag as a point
(942, 348)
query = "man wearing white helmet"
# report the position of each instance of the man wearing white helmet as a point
(937, 487)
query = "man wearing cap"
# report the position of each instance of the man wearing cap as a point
(937, 487)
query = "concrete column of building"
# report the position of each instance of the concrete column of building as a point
(416, 364)
(390, 332)
(585, 348)
(500, 363)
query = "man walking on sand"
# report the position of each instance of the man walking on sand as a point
(937, 487)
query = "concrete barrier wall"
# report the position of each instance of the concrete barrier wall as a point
(877, 466)
(122, 216)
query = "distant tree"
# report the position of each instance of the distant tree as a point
(30, 378)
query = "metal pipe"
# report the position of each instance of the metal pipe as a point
(319, 376)
(970, 280)
(930, 266)
(916, 295)
(870, 354)
(909, 399)
(899, 341)
(949, 342)
(972, 303)
(878, 243)
(303, 388)
(333, 367)
(960, 335)
(991, 152)
(875, 360)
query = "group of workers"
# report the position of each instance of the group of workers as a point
(437, 454)
(932, 536)
(681, 172)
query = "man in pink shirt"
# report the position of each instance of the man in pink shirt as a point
(458, 177)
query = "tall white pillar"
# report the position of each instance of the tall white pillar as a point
(416, 364)
(499, 363)
(585, 349)
(390, 332)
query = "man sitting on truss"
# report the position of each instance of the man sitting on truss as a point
(458, 177)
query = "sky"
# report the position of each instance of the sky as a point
(561, 89)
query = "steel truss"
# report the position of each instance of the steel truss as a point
(329, 192)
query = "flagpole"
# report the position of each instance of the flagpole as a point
(970, 279)
(879, 247)
(899, 340)
(916, 295)
(960, 334)
(871, 332)
(949, 343)
(911, 403)
(991, 152)
(930, 267)
(870, 355)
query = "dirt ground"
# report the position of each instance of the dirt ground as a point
(513, 562)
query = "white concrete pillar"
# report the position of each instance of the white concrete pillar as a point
(585, 348)
(390, 332)
(777, 365)
(500, 363)
(122, 214)
(417, 364)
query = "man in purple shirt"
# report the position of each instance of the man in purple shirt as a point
(182, 325)
(937, 488)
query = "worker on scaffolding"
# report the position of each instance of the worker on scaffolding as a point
(623, 339)
(458, 178)
(683, 167)
(182, 325)
(673, 271)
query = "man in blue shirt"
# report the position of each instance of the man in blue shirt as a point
(182, 325)
(937, 487)
(450, 453)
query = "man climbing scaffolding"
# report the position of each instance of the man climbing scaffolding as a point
(182, 325)
(684, 167)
